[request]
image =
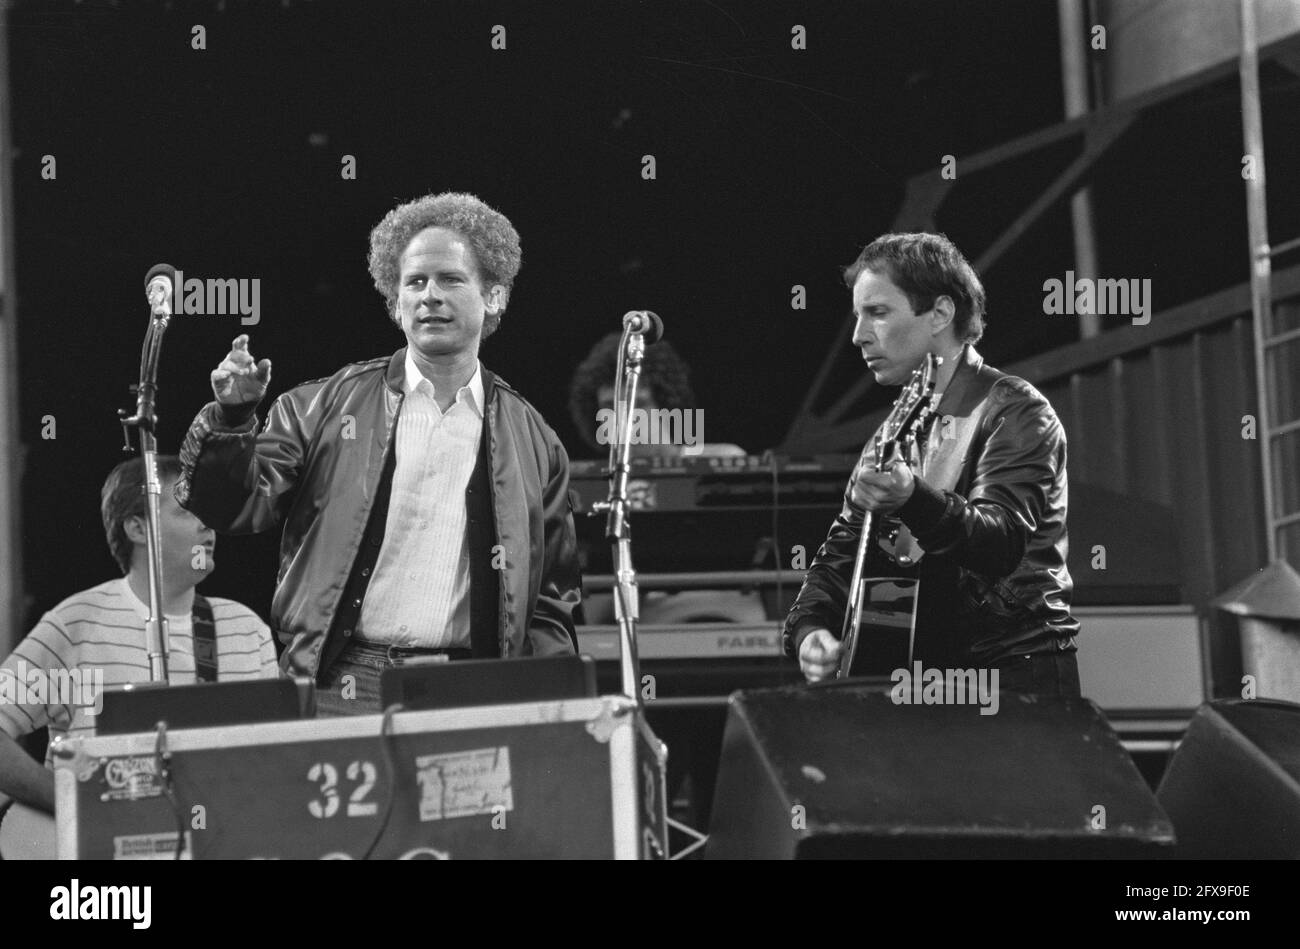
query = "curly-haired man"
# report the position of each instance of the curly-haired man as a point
(424, 501)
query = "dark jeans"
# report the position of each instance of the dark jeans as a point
(351, 685)
(1054, 675)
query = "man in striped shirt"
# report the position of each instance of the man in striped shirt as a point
(97, 637)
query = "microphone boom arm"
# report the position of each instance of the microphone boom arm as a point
(145, 423)
(617, 529)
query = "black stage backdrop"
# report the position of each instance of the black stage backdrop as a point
(774, 165)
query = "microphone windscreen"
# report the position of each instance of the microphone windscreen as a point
(166, 270)
(656, 330)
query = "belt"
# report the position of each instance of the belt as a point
(396, 655)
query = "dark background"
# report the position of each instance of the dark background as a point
(774, 167)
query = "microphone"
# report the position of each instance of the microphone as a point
(159, 284)
(646, 323)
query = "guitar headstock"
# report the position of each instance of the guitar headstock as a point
(913, 407)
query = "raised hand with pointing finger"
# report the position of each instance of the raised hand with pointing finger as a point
(240, 380)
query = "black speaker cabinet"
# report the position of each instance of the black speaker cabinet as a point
(843, 770)
(1233, 788)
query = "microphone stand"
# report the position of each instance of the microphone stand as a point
(144, 422)
(617, 530)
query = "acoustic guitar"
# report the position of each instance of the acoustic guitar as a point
(880, 621)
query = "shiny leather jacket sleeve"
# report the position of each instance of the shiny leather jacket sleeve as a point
(1016, 477)
(824, 596)
(551, 629)
(236, 480)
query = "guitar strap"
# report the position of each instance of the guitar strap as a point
(205, 640)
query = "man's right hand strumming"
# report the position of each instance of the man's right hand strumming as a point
(239, 380)
(819, 655)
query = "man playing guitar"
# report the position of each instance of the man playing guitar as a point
(100, 634)
(981, 510)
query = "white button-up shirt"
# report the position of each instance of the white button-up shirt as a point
(419, 594)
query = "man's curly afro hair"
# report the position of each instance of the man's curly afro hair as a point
(491, 236)
(665, 372)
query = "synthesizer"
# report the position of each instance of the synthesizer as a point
(712, 483)
(713, 513)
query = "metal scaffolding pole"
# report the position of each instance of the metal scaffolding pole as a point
(11, 449)
(1074, 80)
(1261, 268)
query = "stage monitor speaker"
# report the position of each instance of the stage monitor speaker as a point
(139, 706)
(1233, 787)
(488, 682)
(842, 770)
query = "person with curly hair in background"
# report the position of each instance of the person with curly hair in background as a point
(424, 502)
(665, 384)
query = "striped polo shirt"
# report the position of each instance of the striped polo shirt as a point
(103, 629)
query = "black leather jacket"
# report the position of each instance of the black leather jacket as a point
(322, 466)
(989, 512)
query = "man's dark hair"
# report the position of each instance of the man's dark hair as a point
(491, 237)
(665, 372)
(123, 497)
(925, 267)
